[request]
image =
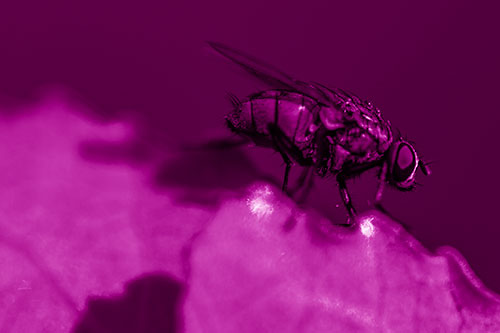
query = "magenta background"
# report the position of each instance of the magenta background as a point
(431, 68)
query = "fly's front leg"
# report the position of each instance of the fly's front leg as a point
(382, 179)
(344, 194)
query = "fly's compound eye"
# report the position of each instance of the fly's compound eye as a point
(404, 163)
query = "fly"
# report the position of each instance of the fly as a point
(331, 130)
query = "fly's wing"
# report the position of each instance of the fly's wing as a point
(271, 75)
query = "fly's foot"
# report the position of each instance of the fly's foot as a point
(346, 198)
(351, 220)
(381, 208)
(349, 224)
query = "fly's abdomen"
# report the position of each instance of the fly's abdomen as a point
(291, 112)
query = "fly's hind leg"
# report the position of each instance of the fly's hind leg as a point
(344, 194)
(287, 149)
(280, 147)
(304, 183)
(288, 167)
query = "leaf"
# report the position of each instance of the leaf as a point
(74, 231)
(252, 272)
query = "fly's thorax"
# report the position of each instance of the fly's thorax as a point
(358, 142)
(375, 126)
(331, 118)
(349, 146)
(350, 112)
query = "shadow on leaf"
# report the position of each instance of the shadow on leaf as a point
(148, 304)
(204, 176)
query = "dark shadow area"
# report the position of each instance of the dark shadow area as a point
(149, 304)
(203, 176)
(113, 152)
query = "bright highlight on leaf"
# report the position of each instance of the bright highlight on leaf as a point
(259, 202)
(366, 227)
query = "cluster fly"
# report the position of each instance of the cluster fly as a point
(333, 131)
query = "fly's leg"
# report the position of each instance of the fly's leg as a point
(287, 149)
(344, 194)
(378, 197)
(303, 177)
(382, 179)
(278, 145)
(304, 182)
(288, 163)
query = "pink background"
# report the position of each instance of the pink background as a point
(432, 68)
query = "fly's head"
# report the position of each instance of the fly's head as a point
(403, 162)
